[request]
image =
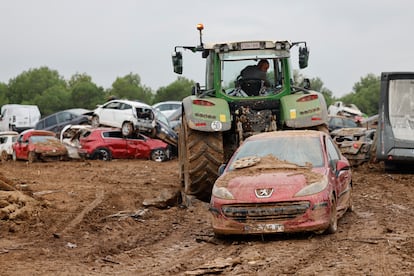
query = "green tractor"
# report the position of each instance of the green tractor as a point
(232, 106)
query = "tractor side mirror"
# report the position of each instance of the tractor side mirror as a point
(177, 60)
(303, 57)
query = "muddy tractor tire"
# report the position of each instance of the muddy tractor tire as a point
(200, 155)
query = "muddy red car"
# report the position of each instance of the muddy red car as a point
(283, 181)
(108, 143)
(38, 145)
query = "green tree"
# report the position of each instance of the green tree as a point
(85, 93)
(53, 99)
(129, 87)
(30, 84)
(3, 94)
(365, 94)
(176, 91)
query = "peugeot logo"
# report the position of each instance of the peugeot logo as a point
(264, 193)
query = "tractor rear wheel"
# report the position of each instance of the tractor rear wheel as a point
(200, 155)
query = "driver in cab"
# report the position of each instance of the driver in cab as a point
(252, 78)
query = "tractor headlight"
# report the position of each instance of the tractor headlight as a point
(221, 192)
(313, 188)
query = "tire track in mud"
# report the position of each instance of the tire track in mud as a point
(99, 198)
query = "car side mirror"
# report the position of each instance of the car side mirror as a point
(177, 60)
(303, 57)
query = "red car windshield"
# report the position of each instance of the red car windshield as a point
(41, 138)
(299, 150)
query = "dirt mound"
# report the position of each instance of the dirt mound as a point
(14, 204)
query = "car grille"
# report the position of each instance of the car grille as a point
(268, 211)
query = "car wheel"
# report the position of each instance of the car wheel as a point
(102, 154)
(333, 221)
(95, 121)
(31, 157)
(4, 155)
(14, 157)
(158, 155)
(127, 129)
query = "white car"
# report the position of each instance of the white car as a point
(7, 138)
(130, 116)
(167, 107)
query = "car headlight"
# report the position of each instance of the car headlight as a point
(221, 192)
(313, 188)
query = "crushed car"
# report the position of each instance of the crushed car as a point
(130, 116)
(355, 143)
(38, 145)
(282, 182)
(86, 142)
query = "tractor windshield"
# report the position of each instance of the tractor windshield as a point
(242, 74)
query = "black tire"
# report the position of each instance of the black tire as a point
(159, 155)
(200, 155)
(333, 222)
(127, 129)
(102, 154)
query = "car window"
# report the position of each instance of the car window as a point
(112, 134)
(333, 154)
(294, 149)
(64, 116)
(113, 105)
(50, 121)
(125, 106)
(41, 138)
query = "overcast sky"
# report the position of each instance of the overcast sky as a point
(107, 39)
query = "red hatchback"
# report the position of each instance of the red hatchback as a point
(109, 143)
(33, 145)
(282, 181)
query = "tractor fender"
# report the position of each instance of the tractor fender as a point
(207, 114)
(304, 110)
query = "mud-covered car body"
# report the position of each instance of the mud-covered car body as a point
(284, 181)
(33, 145)
(109, 143)
(130, 116)
(354, 143)
(7, 138)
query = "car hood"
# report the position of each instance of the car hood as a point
(283, 179)
(54, 146)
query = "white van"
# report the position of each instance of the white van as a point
(18, 117)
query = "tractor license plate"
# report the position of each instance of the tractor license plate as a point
(265, 228)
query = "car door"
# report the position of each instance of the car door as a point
(340, 178)
(138, 147)
(21, 147)
(108, 114)
(116, 143)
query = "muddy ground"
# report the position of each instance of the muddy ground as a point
(122, 218)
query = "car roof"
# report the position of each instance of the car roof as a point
(7, 133)
(36, 132)
(133, 103)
